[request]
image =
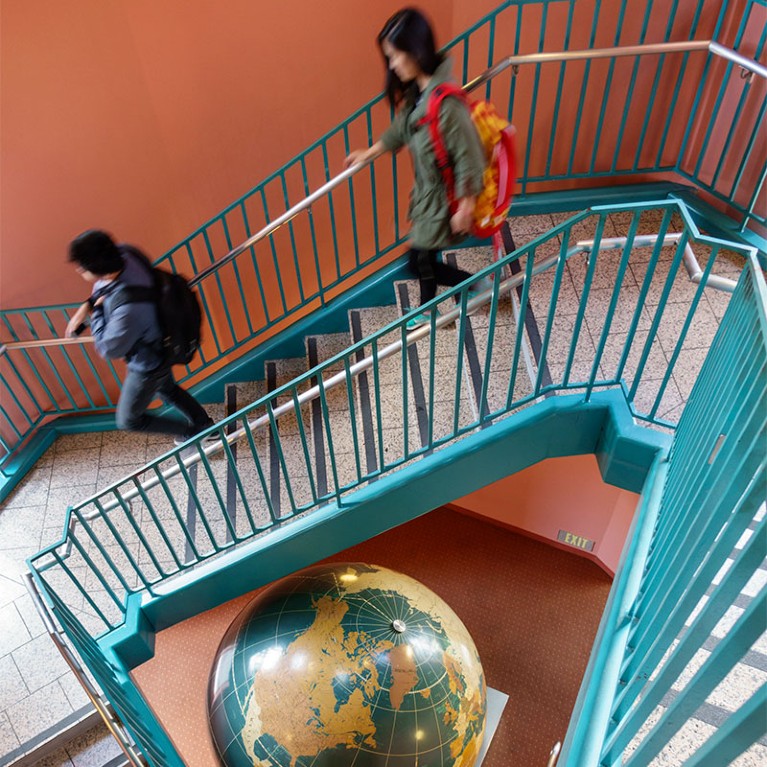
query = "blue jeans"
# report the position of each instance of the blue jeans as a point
(140, 388)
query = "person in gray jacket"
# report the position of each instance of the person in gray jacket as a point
(130, 331)
(414, 68)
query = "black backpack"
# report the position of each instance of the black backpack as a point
(178, 309)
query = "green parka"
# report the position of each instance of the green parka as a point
(428, 212)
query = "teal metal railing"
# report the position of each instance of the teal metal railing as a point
(724, 135)
(357, 226)
(667, 598)
(173, 514)
(126, 542)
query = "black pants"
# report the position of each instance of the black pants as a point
(431, 272)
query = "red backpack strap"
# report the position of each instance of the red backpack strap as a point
(431, 119)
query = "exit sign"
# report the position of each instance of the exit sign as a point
(578, 541)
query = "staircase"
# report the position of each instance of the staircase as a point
(305, 454)
(592, 340)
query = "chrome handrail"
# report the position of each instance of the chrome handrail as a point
(510, 61)
(742, 61)
(115, 727)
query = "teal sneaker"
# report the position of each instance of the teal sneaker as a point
(417, 321)
(479, 287)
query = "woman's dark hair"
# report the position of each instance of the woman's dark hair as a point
(408, 30)
(96, 251)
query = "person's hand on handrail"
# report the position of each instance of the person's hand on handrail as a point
(361, 156)
(77, 323)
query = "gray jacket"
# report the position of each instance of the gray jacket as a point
(131, 331)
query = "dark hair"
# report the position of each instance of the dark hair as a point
(409, 31)
(96, 251)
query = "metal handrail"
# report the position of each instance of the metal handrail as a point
(510, 61)
(115, 727)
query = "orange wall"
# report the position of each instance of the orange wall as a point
(147, 117)
(560, 494)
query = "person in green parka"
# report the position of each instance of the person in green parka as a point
(413, 69)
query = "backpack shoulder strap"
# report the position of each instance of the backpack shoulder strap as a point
(431, 121)
(133, 294)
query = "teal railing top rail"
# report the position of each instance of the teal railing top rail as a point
(312, 258)
(700, 537)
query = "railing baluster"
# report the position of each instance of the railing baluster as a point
(281, 455)
(462, 322)
(653, 331)
(292, 233)
(610, 312)
(168, 494)
(313, 232)
(331, 206)
(275, 259)
(432, 372)
(350, 398)
(606, 93)
(238, 278)
(520, 335)
(331, 452)
(304, 444)
(593, 257)
(643, 291)
(371, 139)
(260, 471)
(752, 204)
(560, 87)
(352, 203)
(630, 93)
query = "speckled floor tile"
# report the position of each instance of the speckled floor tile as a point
(93, 749)
(31, 491)
(29, 615)
(39, 662)
(22, 528)
(10, 590)
(41, 710)
(83, 464)
(9, 741)
(74, 691)
(12, 686)
(59, 758)
(15, 633)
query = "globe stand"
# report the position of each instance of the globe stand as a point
(496, 702)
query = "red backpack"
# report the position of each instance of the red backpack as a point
(498, 139)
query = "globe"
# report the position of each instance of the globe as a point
(347, 664)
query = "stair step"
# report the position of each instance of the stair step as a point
(362, 323)
(331, 425)
(292, 480)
